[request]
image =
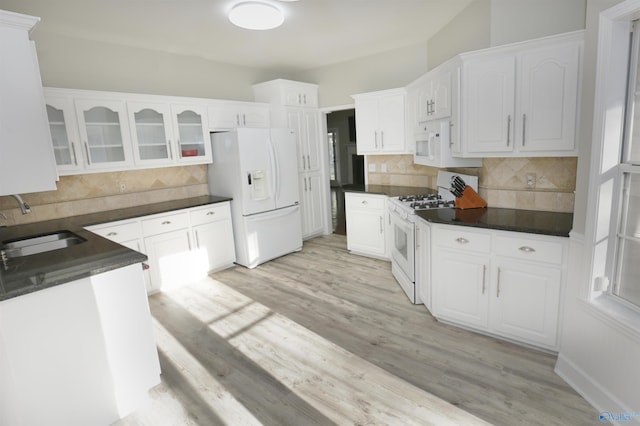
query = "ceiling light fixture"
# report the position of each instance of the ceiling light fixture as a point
(256, 15)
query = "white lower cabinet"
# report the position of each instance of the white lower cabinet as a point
(460, 267)
(213, 234)
(507, 284)
(526, 302)
(366, 224)
(423, 263)
(182, 246)
(311, 205)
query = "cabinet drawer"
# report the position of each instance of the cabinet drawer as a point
(210, 213)
(119, 232)
(462, 240)
(356, 201)
(167, 223)
(529, 249)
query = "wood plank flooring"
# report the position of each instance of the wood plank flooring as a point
(325, 337)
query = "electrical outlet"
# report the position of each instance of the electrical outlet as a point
(123, 187)
(531, 180)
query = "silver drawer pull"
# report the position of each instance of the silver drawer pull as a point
(112, 234)
(210, 213)
(462, 240)
(365, 202)
(166, 222)
(527, 249)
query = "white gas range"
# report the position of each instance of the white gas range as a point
(402, 214)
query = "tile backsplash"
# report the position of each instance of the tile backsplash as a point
(89, 193)
(502, 181)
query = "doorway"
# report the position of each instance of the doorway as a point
(346, 167)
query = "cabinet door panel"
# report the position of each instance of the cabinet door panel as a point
(64, 133)
(312, 205)
(170, 260)
(525, 302)
(392, 123)
(214, 245)
(151, 132)
(312, 142)
(365, 231)
(104, 131)
(461, 287)
(367, 126)
(488, 110)
(548, 99)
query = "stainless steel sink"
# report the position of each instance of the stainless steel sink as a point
(39, 244)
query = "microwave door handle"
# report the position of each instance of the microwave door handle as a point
(430, 140)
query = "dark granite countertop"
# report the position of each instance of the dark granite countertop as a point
(531, 221)
(23, 275)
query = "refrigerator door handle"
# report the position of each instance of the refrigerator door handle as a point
(275, 168)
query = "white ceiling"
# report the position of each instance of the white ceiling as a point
(315, 33)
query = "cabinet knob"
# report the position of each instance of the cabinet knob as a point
(365, 202)
(112, 234)
(527, 249)
(166, 222)
(210, 213)
(462, 240)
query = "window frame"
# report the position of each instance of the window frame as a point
(604, 203)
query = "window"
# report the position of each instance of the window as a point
(626, 280)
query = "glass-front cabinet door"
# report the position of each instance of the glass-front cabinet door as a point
(191, 132)
(64, 134)
(104, 132)
(151, 133)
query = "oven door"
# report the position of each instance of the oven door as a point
(403, 243)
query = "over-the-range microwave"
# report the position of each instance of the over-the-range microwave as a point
(433, 146)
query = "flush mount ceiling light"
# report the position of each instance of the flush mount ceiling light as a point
(255, 15)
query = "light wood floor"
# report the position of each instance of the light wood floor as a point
(326, 337)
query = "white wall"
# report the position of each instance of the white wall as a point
(85, 64)
(519, 20)
(469, 30)
(597, 357)
(387, 70)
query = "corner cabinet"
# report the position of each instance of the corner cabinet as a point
(521, 100)
(380, 122)
(27, 163)
(366, 217)
(507, 284)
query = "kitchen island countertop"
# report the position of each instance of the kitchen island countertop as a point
(23, 275)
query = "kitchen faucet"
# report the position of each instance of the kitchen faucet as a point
(24, 207)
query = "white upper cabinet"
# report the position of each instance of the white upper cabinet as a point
(27, 161)
(104, 133)
(380, 122)
(521, 100)
(64, 133)
(306, 125)
(287, 92)
(151, 132)
(227, 115)
(93, 131)
(430, 96)
(191, 133)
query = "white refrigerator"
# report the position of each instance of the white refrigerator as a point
(258, 168)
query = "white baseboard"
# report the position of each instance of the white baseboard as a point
(596, 395)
